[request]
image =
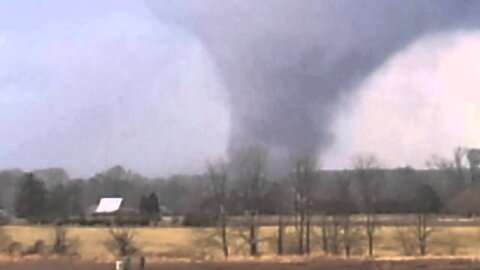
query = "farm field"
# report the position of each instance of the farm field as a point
(202, 244)
(333, 264)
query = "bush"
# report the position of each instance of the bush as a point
(14, 249)
(38, 248)
(122, 241)
(5, 239)
(62, 245)
(406, 240)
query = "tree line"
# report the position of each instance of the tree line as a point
(303, 198)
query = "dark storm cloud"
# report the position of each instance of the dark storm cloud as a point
(86, 85)
(287, 63)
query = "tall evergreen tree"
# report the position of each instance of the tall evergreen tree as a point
(152, 205)
(31, 199)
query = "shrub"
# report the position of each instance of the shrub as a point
(122, 241)
(62, 245)
(5, 239)
(14, 249)
(406, 240)
(38, 248)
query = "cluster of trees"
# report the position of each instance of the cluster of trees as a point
(306, 195)
(35, 203)
(308, 199)
(38, 202)
(372, 189)
(245, 188)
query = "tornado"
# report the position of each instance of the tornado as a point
(286, 64)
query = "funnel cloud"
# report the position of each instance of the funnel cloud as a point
(161, 86)
(287, 64)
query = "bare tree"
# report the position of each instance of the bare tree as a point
(453, 167)
(406, 240)
(472, 155)
(457, 192)
(325, 234)
(365, 167)
(62, 244)
(278, 198)
(437, 162)
(325, 207)
(423, 232)
(122, 241)
(332, 235)
(427, 202)
(303, 176)
(280, 234)
(466, 193)
(252, 180)
(414, 236)
(217, 173)
(465, 173)
(343, 213)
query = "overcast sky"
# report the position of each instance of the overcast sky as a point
(86, 85)
(89, 84)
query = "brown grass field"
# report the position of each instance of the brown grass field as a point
(333, 264)
(203, 244)
(198, 248)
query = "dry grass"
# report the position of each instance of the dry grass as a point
(195, 244)
(333, 264)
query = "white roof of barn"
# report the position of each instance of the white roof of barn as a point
(109, 205)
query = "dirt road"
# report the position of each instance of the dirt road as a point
(330, 264)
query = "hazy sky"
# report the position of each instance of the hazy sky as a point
(89, 84)
(86, 88)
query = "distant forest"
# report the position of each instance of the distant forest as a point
(50, 195)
